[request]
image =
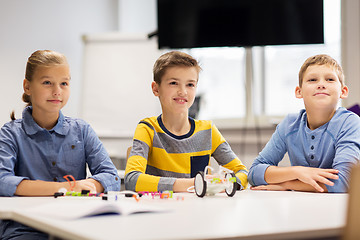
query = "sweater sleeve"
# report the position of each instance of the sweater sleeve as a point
(135, 177)
(224, 155)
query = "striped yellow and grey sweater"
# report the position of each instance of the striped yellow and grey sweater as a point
(158, 157)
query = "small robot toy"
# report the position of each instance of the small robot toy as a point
(224, 179)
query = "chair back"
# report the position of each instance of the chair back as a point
(352, 227)
(128, 153)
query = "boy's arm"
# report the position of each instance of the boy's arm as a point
(298, 185)
(224, 155)
(137, 180)
(271, 155)
(288, 178)
(140, 181)
(182, 184)
(295, 185)
(312, 177)
(135, 177)
(240, 171)
(347, 151)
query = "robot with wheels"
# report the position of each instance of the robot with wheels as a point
(223, 180)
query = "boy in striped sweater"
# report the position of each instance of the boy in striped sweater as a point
(168, 150)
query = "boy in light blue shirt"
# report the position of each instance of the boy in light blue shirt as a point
(322, 141)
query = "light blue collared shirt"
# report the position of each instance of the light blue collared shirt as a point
(335, 144)
(28, 151)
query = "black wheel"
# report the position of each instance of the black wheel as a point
(231, 190)
(200, 184)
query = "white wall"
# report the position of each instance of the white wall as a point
(26, 26)
(350, 10)
(137, 16)
(117, 80)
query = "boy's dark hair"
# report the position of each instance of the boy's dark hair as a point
(173, 59)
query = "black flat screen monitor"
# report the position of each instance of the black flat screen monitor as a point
(245, 23)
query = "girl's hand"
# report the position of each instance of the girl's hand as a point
(85, 184)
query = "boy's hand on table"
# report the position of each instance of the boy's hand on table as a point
(314, 176)
(270, 187)
(182, 184)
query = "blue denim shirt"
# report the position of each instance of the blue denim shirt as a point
(335, 144)
(28, 151)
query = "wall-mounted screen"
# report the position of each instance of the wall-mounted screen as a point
(217, 23)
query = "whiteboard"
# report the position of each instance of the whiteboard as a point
(117, 78)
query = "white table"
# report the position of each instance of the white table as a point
(248, 215)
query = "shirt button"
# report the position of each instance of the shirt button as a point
(312, 157)
(312, 147)
(312, 137)
(53, 163)
(55, 179)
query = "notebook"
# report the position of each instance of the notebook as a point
(68, 209)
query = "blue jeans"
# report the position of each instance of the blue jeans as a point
(10, 230)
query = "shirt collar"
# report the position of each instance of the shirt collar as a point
(31, 127)
(324, 126)
(192, 128)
